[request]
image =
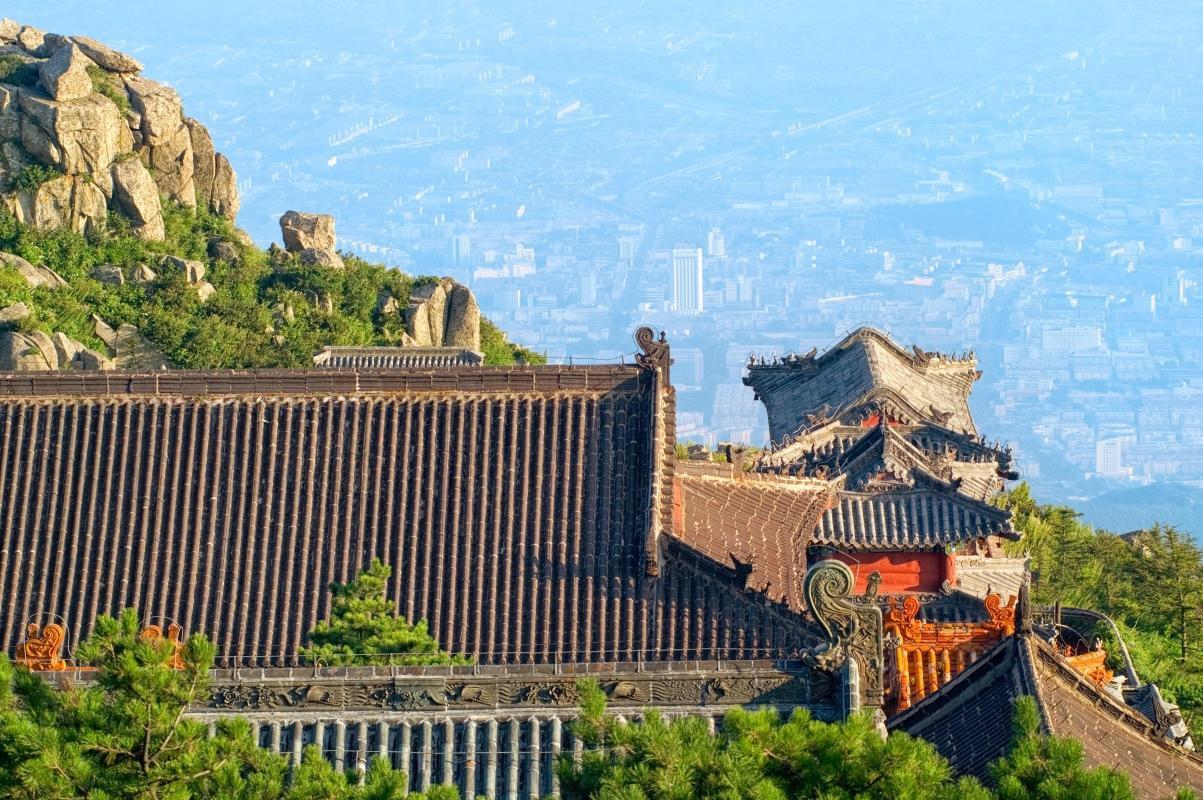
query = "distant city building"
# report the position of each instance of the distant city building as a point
(716, 245)
(626, 248)
(687, 280)
(1108, 458)
(587, 287)
(461, 250)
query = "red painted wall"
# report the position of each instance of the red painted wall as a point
(900, 572)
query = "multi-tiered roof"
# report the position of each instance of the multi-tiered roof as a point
(892, 428)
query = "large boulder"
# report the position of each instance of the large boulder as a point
(443, 313)
(194, 271)
(32, 40)
(65, 75)
(82, 136)
(10, 115)
(463, 319)
(11, 315)
(9, 28)
(68, 201)
(166, 145)
(224, 199)
(322, 258)
(134, 352)
(426, 317)
(203, 158)
(35, 276)
(21, 352)
(303, 231)
(137, 197)
(105, 56)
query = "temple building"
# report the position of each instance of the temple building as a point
(540, 520)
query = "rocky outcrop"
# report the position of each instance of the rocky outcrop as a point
(194, 273)
(34, 275)
(92, 117)
(105, 56)
(40, 352)
(303, 231)
(65, 74)
(11, 315)
(311, 237)
(136, 196)
(443, 313)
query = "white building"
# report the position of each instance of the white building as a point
(687, 280)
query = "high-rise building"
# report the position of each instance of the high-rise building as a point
(687, 280)
(716, 245)
(461, 249)
(626, 248)
(588, 288)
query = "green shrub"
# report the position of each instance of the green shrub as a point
(16, 71)
(237, 327)
(109, 85)
(33, 176)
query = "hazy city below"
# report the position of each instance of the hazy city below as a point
(1022, 179)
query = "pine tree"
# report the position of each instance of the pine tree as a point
(1043, 767)
(755, 755)
(364, 628)
(125, 735)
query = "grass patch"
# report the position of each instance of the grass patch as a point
(32, 176)
(16, 71)
(110, 86)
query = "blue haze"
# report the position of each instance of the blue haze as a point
(1024, 179)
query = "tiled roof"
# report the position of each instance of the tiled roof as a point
(865, 454)
(395, 357)
(757, 525)
(918, 518)
(515, 504)
(969, 720)
(867, 367)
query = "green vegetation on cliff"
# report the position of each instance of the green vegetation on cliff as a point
(1149, 582)
(267, 310)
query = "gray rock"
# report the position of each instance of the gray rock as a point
(304, 231)
(103, 331)
(203, 155)
(110, 274)
(194, 271)
(88, 358)
(9, 29)
(52, 43)
(144, 274)
(323, 258)
(158, 107)
(222, 250)
(65, 74)
(166, 145)
(10, 117)
(205, 290)
(34, 275)
(426, 317)
(32, 40)
(65, 348)
(11, 315)
(137, 197)
(70, 202)
(80, 136)
(135, 353)
(172, 168)
(463, 319)
(224, 201)
(20, 352)
(105, 56)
